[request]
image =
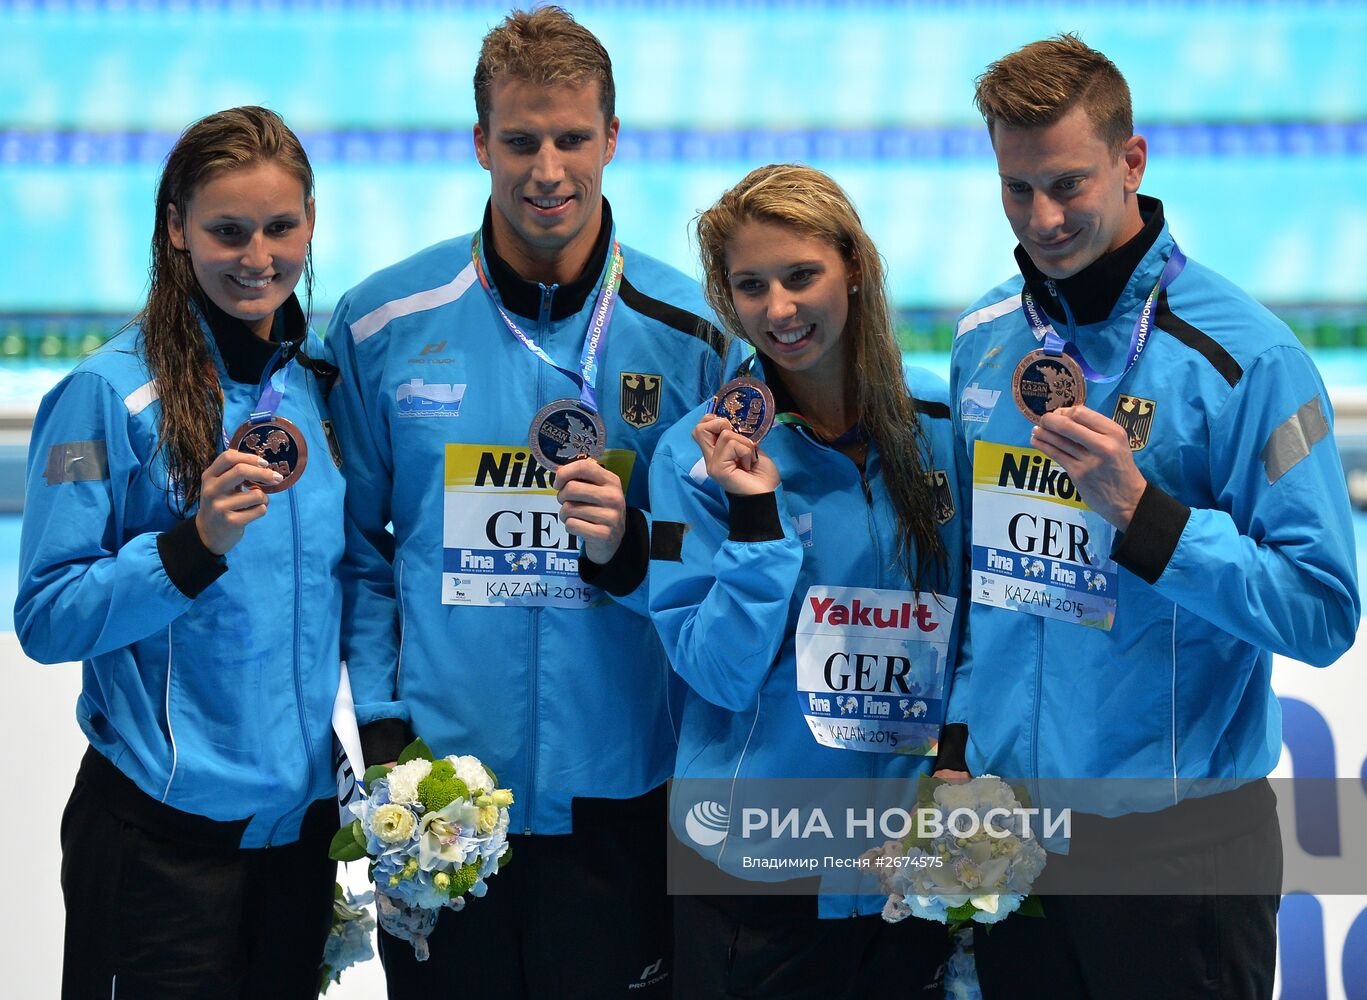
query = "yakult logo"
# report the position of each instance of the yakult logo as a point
(827, 611)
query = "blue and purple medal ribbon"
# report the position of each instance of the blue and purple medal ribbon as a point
(270, 399)
(1139, 335)
(594, 338)
(273, 438)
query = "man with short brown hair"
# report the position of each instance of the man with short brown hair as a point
(1158, 507)
(495, 390)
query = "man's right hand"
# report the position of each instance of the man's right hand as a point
(229, 499)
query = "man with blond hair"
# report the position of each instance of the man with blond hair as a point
(494, 391)
(1162, 445)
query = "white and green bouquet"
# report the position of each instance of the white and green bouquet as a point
(970, 856)
(434, 830)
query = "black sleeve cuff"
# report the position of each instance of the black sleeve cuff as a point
(191, 566)
(624, 572)
(1154, 532)
(953, 755)
(383, 740)
(755, 518)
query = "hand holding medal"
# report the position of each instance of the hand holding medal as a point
(232, 495)
(567, 436)
(748, 406)
(592, 507)
(278, 443)
(266, 454)
(1095, 452)
(1050, 387)
(734, 461)
(729, 434)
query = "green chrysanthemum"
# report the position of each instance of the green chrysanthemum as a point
(464, 879)
(441, 787)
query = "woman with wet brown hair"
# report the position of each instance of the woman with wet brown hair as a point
(180, 538)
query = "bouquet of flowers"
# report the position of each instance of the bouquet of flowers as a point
(970, 856)
(348, 940)
(434, 830)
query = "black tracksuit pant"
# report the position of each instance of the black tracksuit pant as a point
(579, 915)
(1198, 919)
(163, 904)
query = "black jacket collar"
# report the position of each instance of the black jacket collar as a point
(783, 399)
(245, 355)
(523, 297)
(1093, 292)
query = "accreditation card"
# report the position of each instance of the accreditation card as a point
(1037, 546)
(503, 543)
(871, 668)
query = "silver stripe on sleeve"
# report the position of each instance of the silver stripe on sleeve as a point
(76, 462)
(377, 319)
(1293, 439)
(141, 398)
(987, 314)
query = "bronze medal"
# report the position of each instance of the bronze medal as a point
(280, 443)
(1046, 382)
(748, 406)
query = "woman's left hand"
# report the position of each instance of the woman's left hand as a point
(734, 462)
(592, 506)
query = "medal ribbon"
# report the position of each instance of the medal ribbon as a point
(270, 398)
(587, 376)
(1139, 336)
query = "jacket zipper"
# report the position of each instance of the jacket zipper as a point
(534, 644)
(1039, 645)
(298, 680)
(1034, 727)
(533, 649)
(878, 557)
(878, 581)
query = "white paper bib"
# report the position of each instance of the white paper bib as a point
(503, 544)
(1037, 546)
(871, 668)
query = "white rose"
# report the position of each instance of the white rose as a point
(393, 824)
(993, 793)
(488, 819)
(951, 797)
(471, 771)
(403, 780)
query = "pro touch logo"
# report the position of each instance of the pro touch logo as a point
(650, 975)
(707, 823)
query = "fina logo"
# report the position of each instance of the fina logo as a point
(707, 823)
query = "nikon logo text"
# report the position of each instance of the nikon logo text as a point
(1037, 474)
(517, 470)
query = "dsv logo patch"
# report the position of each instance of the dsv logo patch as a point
(707, 823)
